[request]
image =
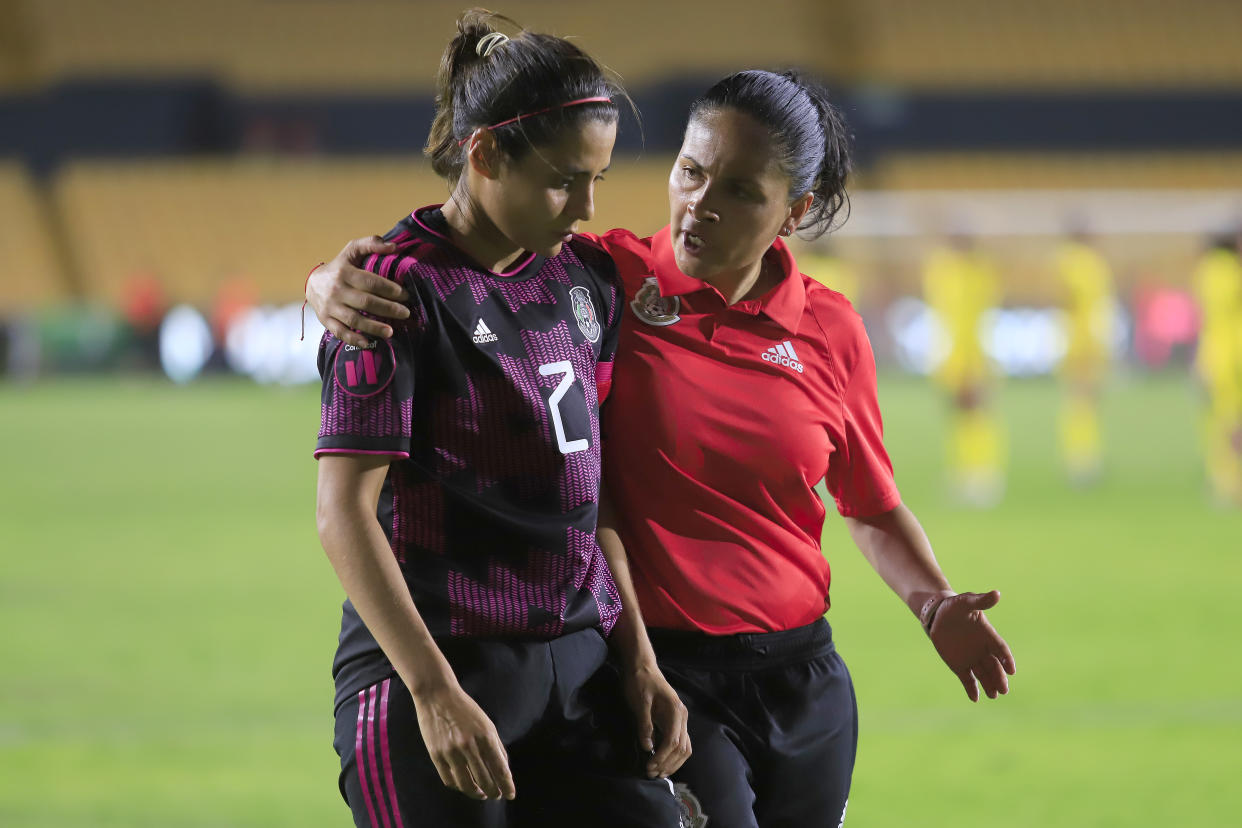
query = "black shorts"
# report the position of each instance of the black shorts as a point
(561, 714)
(773, 725)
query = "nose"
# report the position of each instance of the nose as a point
(700, 212)
(584, 205)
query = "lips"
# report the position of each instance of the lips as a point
(692, 242)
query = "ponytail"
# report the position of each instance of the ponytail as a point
(461, 54)
(488, 79)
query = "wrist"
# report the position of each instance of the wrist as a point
(930, 606)
(429, 681)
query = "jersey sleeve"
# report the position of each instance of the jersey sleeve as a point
(367, 398)
(860, 474)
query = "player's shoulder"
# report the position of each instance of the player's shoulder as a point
(413, 247)
(830, 307)
(593, 255)
(837, 321)
(630, 253)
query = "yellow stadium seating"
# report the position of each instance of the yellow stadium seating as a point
(33, 275)
(198, 224)
(393, 44)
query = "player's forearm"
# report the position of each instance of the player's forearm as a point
(359, 552)
(629, 637)
(897, 548)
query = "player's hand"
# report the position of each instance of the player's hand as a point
(657, 707)
(464, 744)
(340, 291)
(970, 646)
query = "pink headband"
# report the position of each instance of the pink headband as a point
(596, 99)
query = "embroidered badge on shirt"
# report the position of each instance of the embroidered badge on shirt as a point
(364, 372)
(584, 312)
(652, 308)
(691, 809)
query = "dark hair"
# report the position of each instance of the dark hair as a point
(811, 136)
(527, 73)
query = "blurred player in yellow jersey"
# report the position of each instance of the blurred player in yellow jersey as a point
(823, 264)
(1218, 289)
(961, 284)
(1086, 284)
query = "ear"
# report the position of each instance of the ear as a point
(797, 211)
(482, 154)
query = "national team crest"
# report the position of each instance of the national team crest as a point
(584, 312)
(691, 809)
(652, 308)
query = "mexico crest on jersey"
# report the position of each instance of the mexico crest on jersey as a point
(584, 313)
(652, 308)
(691, 809)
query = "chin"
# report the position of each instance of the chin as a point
(687, 264)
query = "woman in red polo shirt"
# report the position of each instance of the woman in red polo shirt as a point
(739, 385)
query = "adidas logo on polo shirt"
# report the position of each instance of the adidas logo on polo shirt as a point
(783, 354)
(483, 334)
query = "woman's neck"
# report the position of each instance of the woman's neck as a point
(749, 283)
(476, 234)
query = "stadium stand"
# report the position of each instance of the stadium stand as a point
(33, 277)
(197, 224)
(387, 44)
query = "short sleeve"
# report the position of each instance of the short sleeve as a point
(860, 474)
(367, 399)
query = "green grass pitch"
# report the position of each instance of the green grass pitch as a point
(168, 619)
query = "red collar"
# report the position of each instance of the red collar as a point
(783, 304)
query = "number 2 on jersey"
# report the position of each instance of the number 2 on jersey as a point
(565, 368)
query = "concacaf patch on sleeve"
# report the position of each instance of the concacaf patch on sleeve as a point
(364, 372)
(584, 312)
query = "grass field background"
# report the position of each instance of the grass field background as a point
(168, 619)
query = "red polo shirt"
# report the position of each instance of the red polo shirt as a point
(721, 421)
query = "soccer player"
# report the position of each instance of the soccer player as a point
(459, 480)
(1218, 362)
(1086, 283)
(740, 384)
(824, 264)
(960, 284)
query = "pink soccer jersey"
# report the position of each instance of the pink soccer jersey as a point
(487, 401)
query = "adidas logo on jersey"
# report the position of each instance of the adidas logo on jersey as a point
(784, 355)
(482, 334)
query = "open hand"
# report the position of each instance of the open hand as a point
(464, 744)
(970, 646)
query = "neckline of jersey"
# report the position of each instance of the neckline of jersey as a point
(784, 304)
(525, 269)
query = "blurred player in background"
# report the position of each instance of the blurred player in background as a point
(1086, 284)
(823, 263)
(741, 384)
(459, 480)
(1218, 362)
(961, 284)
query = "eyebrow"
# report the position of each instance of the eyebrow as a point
(750, 182)
(576, 173)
